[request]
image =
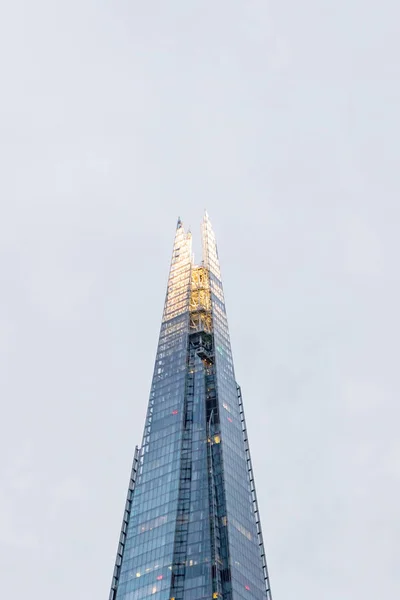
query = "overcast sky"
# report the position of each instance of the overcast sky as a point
(282, 119)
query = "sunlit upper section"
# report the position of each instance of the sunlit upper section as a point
(178, 290)
(210, 253)
(189, 287)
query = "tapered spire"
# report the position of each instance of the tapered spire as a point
(191, 526)
(209, 242)
(177, 298)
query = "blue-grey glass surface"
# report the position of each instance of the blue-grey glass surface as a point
(147, 561)
(245, 561)
(191, 529)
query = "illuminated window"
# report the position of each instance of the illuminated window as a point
(240, 528)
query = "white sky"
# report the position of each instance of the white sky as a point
(281, 118)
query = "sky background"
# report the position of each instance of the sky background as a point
(282, 119)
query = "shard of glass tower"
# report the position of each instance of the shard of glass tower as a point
(191, 527)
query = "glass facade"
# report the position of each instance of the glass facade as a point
(191, 528)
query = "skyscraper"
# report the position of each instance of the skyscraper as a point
(191, 526)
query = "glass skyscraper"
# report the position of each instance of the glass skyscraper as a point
(191, 527)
